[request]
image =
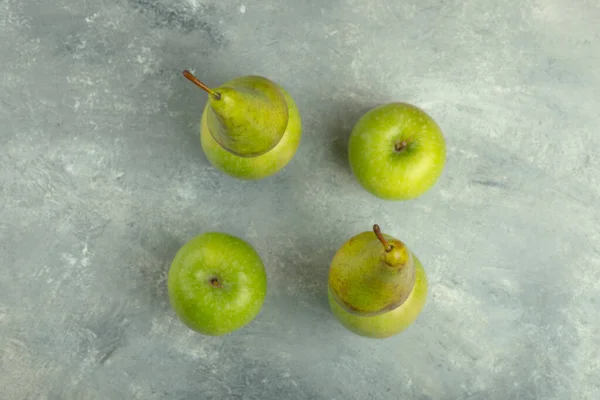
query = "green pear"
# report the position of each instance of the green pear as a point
(247, 115)
(259, 167)
(377, 287)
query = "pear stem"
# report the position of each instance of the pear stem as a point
(201, 84)
(386, 245)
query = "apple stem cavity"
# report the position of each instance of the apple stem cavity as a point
(400, 145)
(215, 282)
(386, 245)
(201, 84)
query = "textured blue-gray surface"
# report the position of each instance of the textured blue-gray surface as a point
(102, 179)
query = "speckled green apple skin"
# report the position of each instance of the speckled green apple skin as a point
(389, 174)
(211, 310)
(392, 322)
(262, 166)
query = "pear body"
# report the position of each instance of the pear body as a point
(374, 292)
(260, 166)
(249, 115)
(392, 322)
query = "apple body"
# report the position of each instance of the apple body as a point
(397, 151)
(261, 166)
(217, 283)
(391, 322)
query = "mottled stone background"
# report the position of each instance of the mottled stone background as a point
(102, 178)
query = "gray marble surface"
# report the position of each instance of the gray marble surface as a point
(102, 179)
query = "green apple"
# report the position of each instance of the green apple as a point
(376, 287)
(397, 151)
(217, 283)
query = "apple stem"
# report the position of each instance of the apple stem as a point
(215, 282)
(201, 84)
(386, 245)
(399, 146)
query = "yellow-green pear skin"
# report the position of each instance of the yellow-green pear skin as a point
(257, 167)
(391, 323)
(249, 115)
(377, 287)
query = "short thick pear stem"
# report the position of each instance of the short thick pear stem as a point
(384, 242)
(201, 84)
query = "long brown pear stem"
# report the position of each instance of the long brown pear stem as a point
(379, 235)
(201, 84)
